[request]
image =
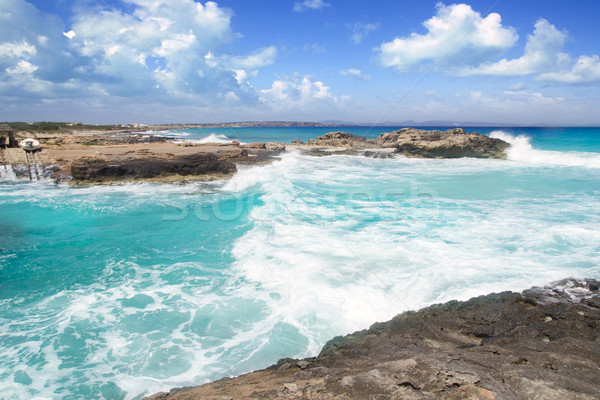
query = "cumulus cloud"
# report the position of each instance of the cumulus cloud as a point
(22, 67)
(152, 48)
(585, 70)
(456, 33)
(544, 57)
(301, 6)
(356, 74)
(361, 30)
(157, 42)
(32, 42)
(543, 52)
(17, 49)
(297, 92)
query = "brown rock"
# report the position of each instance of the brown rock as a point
(423, 355)
(275, 146)
(453, 143)
(341, 139)
(97, 170)
(255, 145)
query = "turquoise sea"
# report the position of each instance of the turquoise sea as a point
(122, 291)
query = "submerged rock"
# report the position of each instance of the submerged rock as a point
(453, 143)
(543, 343)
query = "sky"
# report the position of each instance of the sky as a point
(186, 61)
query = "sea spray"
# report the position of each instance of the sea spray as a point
(521, 150)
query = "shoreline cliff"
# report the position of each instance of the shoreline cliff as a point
(543, 343)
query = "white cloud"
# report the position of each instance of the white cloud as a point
(317, 48)
(71, 34)
(310, 5)
(175, 44)
(361, 30)
(153, 49)
(255, 60)
(297, 92)
(543, 52)
(456, 33)
(355, 73)
(22, 67)
(585, 70)
(532, 97)
(17, 49)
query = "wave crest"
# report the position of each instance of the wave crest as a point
(521, 150)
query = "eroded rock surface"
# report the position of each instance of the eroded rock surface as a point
(543, 343)
(453, 143)
(98, 170)
(341, 139)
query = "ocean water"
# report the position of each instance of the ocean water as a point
(121, 291)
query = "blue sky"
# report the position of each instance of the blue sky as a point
(169, 61)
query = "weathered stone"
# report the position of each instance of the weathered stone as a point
(95, 169)
(275, 146)
(453, 143)
(424, 354)
(255, 145)
(341, 139)
(303, 364)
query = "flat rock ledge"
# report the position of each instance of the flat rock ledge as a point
(101, 170)
(543, 343)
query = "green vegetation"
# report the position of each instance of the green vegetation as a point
(47, 126)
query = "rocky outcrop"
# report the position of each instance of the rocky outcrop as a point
(543, 343)
(100, 170)
(340, 139)
(453, 143)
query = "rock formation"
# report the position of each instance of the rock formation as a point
(543, 343)
(340, 139)
(99, 170)
(453, 143)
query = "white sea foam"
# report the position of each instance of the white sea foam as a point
(521, 150)
(332, 245)
(341, 259)
(7, 173)
(212, 138)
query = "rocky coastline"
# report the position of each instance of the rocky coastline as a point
(100, 157)
(543, 343)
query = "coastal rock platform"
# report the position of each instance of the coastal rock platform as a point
(543, 343)
(96, 157)
(409, 142)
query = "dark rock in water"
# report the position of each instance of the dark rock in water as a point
(95, 169)
(341, 139)
(297, 141)
(453, 143)
(543, 343)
